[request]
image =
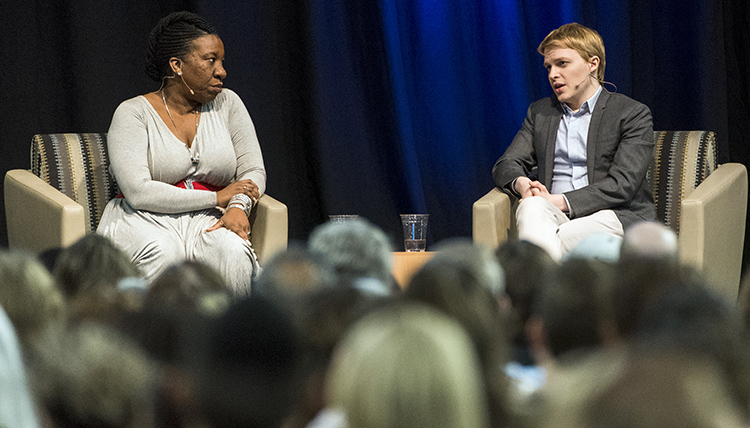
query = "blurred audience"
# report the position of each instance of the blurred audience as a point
(30, 297)
(696, 321)
(604, 247)
(650, 239)
(403, 367)
(359, 253)
(98, 280)
(16, 403)
(191, 286)
(250, 368)
(92, 263)
(465, 282)
(618, 334)
(572, 317)
(640, 388)
(575, 312)
(91, 376)
(526, 267)
(293, 275)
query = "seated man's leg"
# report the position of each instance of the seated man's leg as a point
(604, 221)
(538, 221)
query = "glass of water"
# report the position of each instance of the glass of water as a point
(415, 232)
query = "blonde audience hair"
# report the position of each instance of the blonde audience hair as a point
(587, 42)
(407, 367)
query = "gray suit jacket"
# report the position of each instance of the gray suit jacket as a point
(620, 147)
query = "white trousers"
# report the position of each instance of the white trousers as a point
(540, 222)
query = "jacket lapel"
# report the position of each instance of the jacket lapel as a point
(596, 118)
(550, 133)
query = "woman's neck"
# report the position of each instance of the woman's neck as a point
(178, 101)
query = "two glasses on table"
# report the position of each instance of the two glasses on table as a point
(414, 225)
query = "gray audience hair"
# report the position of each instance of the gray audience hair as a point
(355, 248)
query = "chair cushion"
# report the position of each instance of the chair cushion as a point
(78, 166)
(682, 160)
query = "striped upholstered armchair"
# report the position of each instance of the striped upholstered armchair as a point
(64, 194)
(704, 202)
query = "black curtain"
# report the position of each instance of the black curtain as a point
(378, 107)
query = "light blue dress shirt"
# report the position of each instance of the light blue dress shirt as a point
(570, 171)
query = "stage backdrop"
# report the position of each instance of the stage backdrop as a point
(378, 107)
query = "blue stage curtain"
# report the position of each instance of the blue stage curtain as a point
(379, 107)
(417, 99)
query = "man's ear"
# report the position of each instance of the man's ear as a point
(593, 64)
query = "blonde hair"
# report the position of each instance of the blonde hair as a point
(408, 366)
(587, 42)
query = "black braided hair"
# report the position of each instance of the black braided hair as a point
(171, 37)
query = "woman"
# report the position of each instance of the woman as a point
(181, 153)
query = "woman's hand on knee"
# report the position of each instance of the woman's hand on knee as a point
(235, 220)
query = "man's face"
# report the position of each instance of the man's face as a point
(568, 74)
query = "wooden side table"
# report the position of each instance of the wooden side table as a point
(405, 265)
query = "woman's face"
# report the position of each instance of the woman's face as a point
(203, 68)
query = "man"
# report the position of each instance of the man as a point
(579, 161)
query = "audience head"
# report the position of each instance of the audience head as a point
(91, 376)
(358, 251)
(292, 275)
(478, 259)
(598, 246)
(697, 321)
(465, 282)
(324, 317)
(526, 268)
(91, 263)
(587, 42)
(29, 296)
(249, 374)
(190, 286)
(407, 366)
(575, 311)
(172, 37)
(16, 405)
(640, 389)
(640, 280)
(650, 239)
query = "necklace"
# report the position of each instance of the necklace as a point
(170, 113)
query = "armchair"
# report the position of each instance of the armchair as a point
(703, 202)
(64, 194)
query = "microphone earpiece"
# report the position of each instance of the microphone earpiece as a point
(186, 85)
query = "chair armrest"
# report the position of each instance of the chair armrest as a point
(39, 217)
(712, 227)
(492, 219)
(270, 228)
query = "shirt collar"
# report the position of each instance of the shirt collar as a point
(587, 106)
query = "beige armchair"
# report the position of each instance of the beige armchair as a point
(64, 194)
(705, 203)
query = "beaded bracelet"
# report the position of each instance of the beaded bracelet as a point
(243, 201)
